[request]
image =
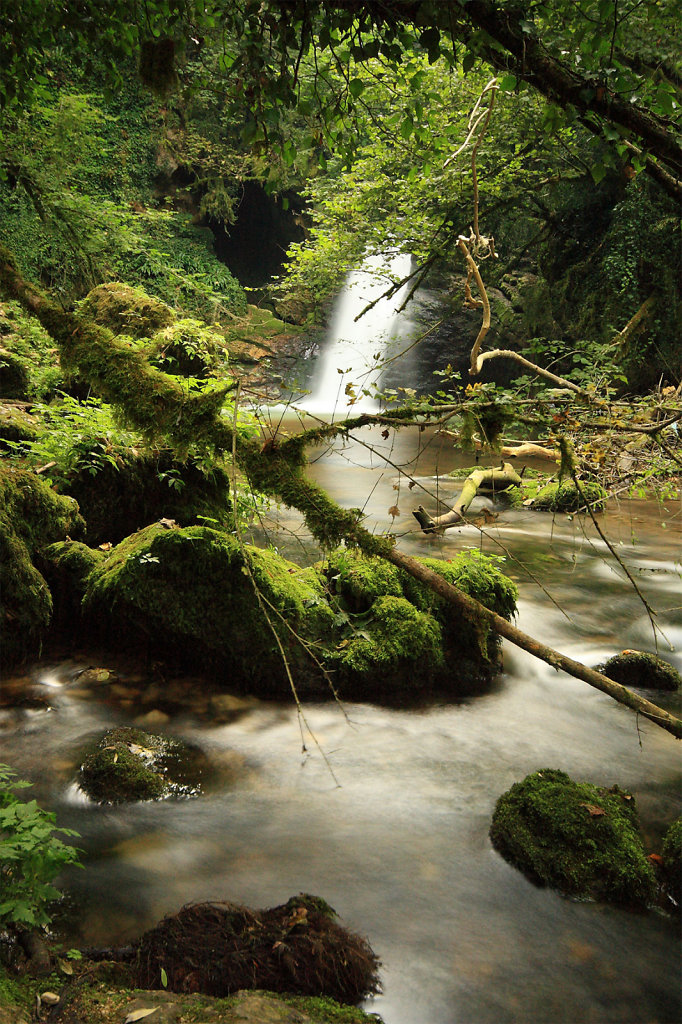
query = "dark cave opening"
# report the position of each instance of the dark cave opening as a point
(254, 247)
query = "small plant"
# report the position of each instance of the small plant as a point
(31, 856)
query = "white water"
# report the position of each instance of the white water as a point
(356, 349)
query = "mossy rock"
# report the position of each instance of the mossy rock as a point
(672, 861)
(66, 566)
(14, 375)
(132, 489)
(188, 348)
(16, 424)
(360, 580)
(126, 310)
(398, 651)
(190, 592)
(637, 668)
(575, 837)
(31, 517)
(402, 638)
(130, 765)
(565, 497)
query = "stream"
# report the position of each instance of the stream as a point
(400, 848)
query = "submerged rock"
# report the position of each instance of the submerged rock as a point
(637, 668)
(130, 765)
(575, 837)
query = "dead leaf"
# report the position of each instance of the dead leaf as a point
(595, 812)
(49, 998)
(65, 967)
(140, 1014)
(168, 524)
(385, 434)
(107, 546)
(394, 511)
(48, 465)
(412, 483)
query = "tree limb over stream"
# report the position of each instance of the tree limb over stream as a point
(158, 406)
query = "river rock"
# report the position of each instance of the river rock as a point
(638, 668)
(129, 765)
(573, 836)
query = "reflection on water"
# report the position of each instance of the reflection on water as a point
(401, 849)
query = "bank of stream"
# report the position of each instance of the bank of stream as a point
(401, 848)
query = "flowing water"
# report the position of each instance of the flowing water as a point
(366, 329)
(400, 848)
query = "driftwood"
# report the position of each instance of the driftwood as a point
(489, 480)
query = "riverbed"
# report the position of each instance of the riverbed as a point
(397, 838)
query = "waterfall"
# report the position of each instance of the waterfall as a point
(351, 360)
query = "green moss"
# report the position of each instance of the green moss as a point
(188, 348)
(397, 650)
(123, 309)
(637, 668)
(575, 837)
(565, 497)
(29, 361)
(132, 489)
(672, 861)
(188, 590)
(130, 765)
(31, 516)
(14, 375)
(16, 424)
(360, 580)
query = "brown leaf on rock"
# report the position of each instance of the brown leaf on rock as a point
(595, 812)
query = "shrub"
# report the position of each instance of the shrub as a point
(31, 856)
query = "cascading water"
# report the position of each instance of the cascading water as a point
(350, 366)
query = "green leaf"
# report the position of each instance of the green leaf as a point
(356, 86)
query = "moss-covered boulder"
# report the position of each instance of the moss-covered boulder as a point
(638, 668)
(129, 765)
(66, 566)
(31, 517)
(133, 488)
(575, 837)
(16, 423)
(401, 639)
(195, 593)
(672, 861)
(565, 497)
(126, 310)
(397, 652)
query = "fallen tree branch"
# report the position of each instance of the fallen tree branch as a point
(473, 610)
(491, 479)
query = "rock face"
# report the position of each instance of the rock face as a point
(130, 765)
(575, 837)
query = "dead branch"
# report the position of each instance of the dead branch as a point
(492, 480)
